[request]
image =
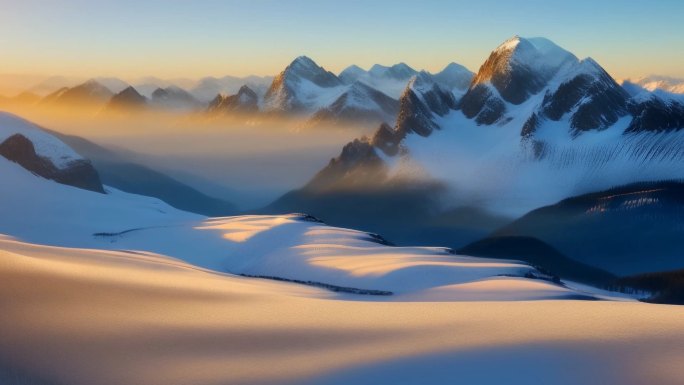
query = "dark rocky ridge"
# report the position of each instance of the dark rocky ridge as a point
(79, 173)
(420, 102)
(656, 115)
(613, 229)
(594, 96)
(245, 101)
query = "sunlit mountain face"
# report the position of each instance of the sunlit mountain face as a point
(341, 193)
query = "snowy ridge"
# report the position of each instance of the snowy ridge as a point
(45, 144)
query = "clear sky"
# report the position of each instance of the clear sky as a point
(174, 38)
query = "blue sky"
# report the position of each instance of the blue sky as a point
(195, 38)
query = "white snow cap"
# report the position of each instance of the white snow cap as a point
(536, 52)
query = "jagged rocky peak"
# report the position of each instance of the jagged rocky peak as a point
(246, 100)
(292, 89)
(422, 101)
(521, 67)
(305, 68)
(247, 95)
(357, 165)
(438, 99)
(589, 94)
(580, 91)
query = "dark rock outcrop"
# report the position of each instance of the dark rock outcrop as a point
(655, 115)
(80, 173)
(357, 166)
(595, 100)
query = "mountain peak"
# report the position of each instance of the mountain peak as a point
(92, 83)
(130, 91)
(304, 62)
(536, 52)
(303, 67)
(520, 67)
(129, 98)
(399, 71)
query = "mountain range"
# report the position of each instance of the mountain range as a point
(303, 89)
(536, 125)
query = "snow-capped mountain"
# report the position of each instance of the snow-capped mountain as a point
(174, 98)
(393, 80)
(360, 103)
(91, 94)
(245, 101)
(455, 77)
(535, 126)
(303, 87)
(390, 80)
(400, 71)
(538, 122)
(44, 155)
(351, 74)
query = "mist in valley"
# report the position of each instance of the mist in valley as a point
(247, 160)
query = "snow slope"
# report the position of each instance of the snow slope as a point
(291, 247)
(83, 316)
(278, 246)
